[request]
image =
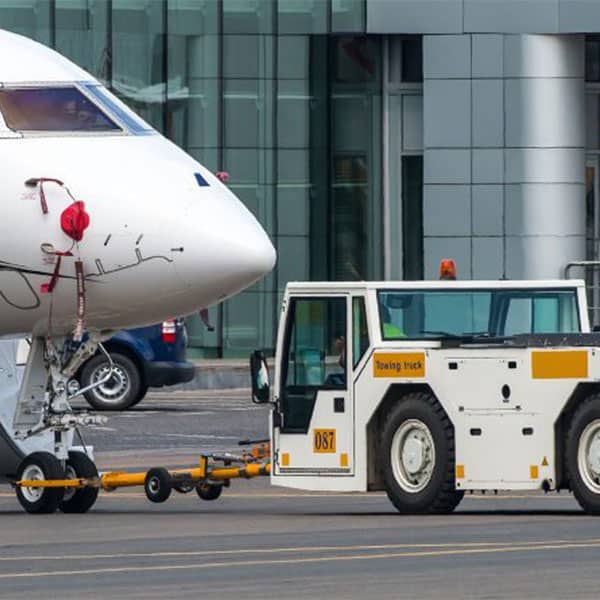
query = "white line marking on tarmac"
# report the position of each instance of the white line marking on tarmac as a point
(298, 560)
(312, 549)
(204, 436)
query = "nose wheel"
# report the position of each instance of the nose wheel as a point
(40, 466)
(79, 500)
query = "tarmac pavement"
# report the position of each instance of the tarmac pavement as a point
(262, 542)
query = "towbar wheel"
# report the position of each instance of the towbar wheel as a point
(158, 485)
(208, 491)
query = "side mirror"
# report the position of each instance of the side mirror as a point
(259, 372)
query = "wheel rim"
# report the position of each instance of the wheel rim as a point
(413, 456)
(116, 388)
(69, 474)
(588, 456)
(32, 473)
(154, 485)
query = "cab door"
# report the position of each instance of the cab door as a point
(313, 419)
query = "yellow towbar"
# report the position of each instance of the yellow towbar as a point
(207, 478)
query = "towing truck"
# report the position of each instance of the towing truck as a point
(431, 389)
(426, 390)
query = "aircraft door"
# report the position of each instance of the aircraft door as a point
(314, 414)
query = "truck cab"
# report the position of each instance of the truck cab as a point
(427, 389)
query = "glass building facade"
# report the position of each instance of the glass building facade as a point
(371, 138)
(284, 95)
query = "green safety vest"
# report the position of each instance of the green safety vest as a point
(391, 331)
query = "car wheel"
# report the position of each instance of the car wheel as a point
(141, 395)
(120, 391)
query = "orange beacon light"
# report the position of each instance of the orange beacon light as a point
(447, 269)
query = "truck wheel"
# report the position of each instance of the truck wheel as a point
(206, 491)
(120, 391)
(79, 465)
(417, 455)
(158, 485)
(40, 466)
(583, 455)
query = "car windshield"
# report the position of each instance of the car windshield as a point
(52, 109)
(435, 314)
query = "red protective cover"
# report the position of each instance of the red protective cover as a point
(74, 220)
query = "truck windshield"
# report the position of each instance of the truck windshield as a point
(435, 314)
(52, 109)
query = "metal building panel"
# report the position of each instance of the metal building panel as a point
(511, 16)
(447, 56)
(488, 55)
(488, 165)
(488, 113)
(447, 210)
(532, 209)
(488, 209)
(488, 257)
(447, 113)
(579, 16)
(414, 16)
(447, 166)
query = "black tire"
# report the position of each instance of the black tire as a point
(121, 391)
(584, 475)
(158, 485)
(207, 491)
(141, 395)
(183, 488)
(79, 501)
(40, 465)
(415, 415)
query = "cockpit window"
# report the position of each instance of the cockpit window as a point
(48, 109)
(115, 107)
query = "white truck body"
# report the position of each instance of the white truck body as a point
(508, 397)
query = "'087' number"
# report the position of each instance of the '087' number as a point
(324, 441)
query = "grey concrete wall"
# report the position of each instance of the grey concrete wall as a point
(483, 16)
(504, 139)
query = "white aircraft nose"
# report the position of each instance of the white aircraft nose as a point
(224, 249)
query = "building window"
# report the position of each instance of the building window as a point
(592, 58)
(406, 59)
(412, 217)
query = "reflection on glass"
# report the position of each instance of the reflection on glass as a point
(348, 15)
(248, 16)
(52, 109)
(82, 34)
(138, 60)
(31, 18)
(355, 212)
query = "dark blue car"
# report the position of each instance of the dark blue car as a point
(146, 357)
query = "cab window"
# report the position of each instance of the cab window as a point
(314, 356)
(436, 314)
(52, 109)
(360, 331)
